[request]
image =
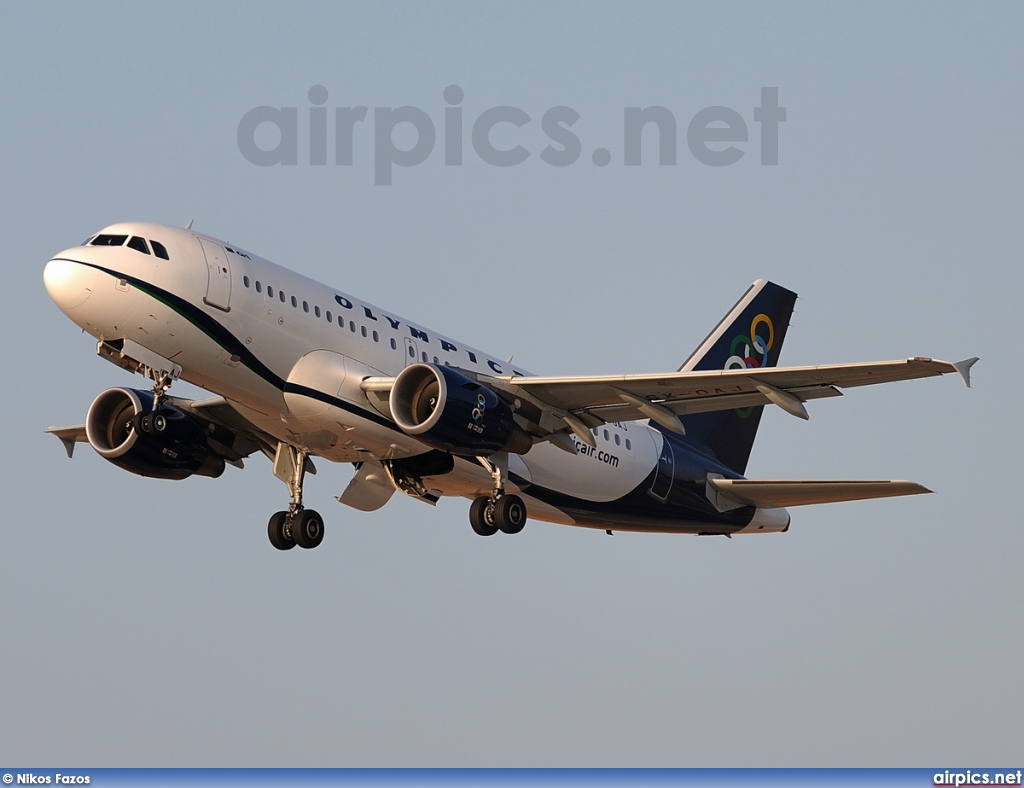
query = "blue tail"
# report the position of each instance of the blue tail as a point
(749, 336)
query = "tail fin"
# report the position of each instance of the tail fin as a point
(750, 335)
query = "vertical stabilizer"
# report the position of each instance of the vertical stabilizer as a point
(749, 336)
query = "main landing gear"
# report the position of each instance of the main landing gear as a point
(297, 526)
(497, 511)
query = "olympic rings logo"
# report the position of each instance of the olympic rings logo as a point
(751, 352)
(481, 408)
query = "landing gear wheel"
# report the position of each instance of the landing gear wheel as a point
(276, 531)
(510, 514)
(141, 423)
(307, 528)
(158, 422)
(481, 517)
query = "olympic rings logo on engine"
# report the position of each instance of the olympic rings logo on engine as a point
(481, 408)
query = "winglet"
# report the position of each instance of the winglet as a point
(69, 446)
(964, 368)
(69, 436)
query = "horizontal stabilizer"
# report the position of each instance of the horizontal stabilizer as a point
(773, 493)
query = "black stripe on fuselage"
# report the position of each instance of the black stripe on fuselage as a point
(208, 325)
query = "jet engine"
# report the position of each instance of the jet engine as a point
(449, 411)
(124, 427)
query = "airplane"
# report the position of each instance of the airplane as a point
(299, 370)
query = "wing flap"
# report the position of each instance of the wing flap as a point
(775, 493)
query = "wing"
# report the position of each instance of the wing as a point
(553, 406)
(581, 403)
(228, 433)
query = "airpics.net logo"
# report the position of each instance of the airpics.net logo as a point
(273, 136)
(956, 779)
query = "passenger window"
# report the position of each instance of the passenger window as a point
(138, 244)
(394, 345)
(280, 295)
(352, 326)
(160, 250)
(412, 353)
(628, 446)
(362, 330)
(270, 291)
(376, 337)
(259, 287)
(295, 302)
(305, 306)
(330, 318)
(316, 311)
(617, 440)
(245, 281)
(606, 434)
(109, 240)
(424, 356)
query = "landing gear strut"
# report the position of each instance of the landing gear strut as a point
(297, 526)
(162, 381)
(497, 511)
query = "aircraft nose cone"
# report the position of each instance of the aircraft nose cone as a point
(69, 284)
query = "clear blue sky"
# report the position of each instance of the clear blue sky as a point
(150, 623)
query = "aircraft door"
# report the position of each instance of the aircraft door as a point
(218, 286)
(662, 484)
(410, 351)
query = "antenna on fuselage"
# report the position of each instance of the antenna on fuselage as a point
(189, 225)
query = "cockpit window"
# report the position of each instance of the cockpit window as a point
(87, 240)
(160, 250)
(109, 240)
(138, 244)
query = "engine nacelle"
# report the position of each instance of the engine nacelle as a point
(124, 428)
(450, 412)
